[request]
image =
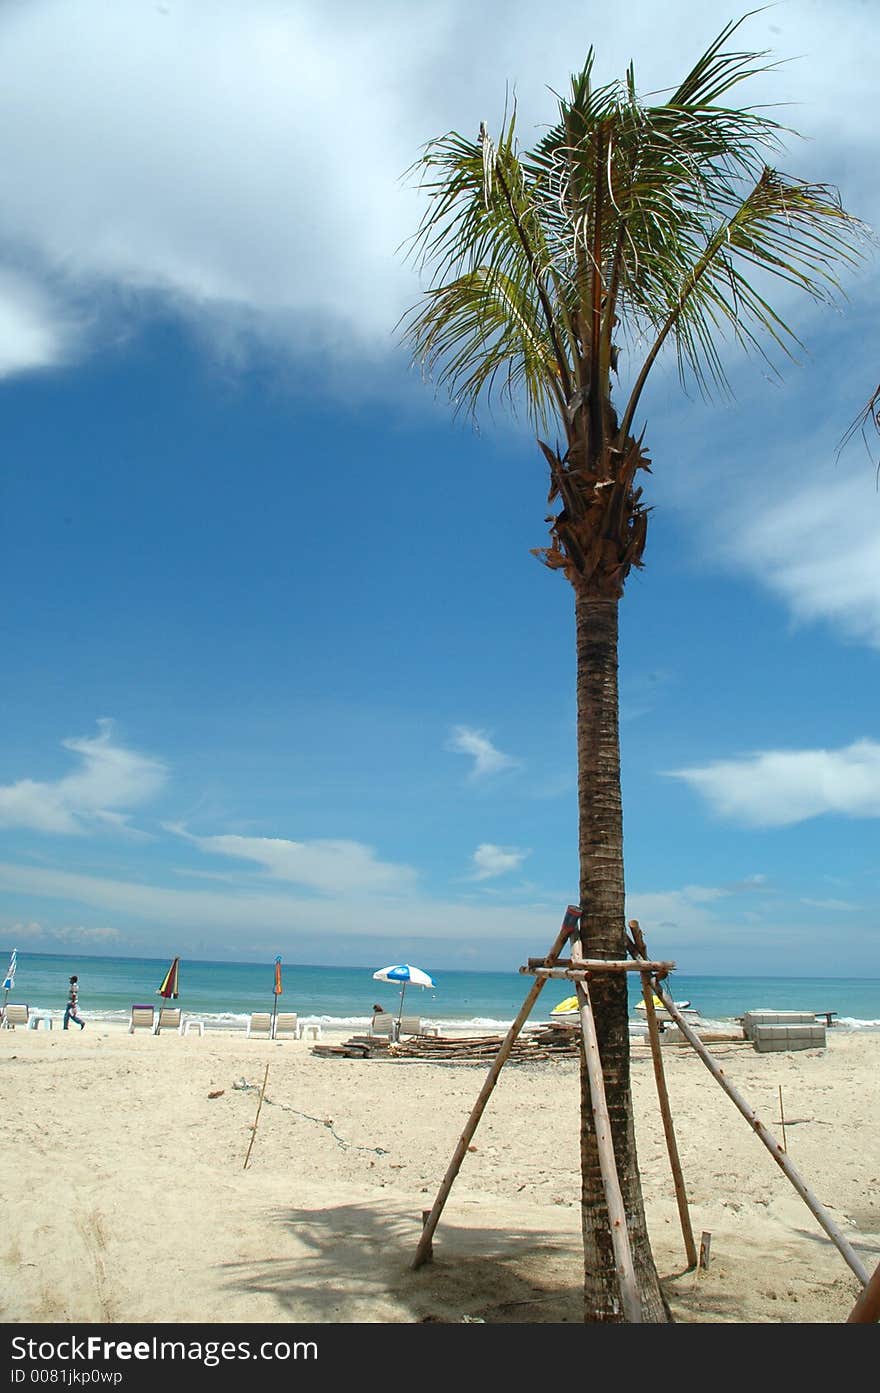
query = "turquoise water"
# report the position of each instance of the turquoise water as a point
(225, 994)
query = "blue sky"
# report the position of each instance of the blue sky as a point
(280, 674)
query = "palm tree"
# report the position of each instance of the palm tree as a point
(629, 228)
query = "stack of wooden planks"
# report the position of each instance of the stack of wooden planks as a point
(546, 1041)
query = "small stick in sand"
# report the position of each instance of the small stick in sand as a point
(256, 1120)
(782, 1119)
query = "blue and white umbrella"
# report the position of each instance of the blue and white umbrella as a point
(406, 975)
(9, 980)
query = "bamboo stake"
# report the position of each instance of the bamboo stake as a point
(424, 1251)
(626, 1276)
(256, 1119)
(585, 967)
(782, 1119)
(684, 1217)
(813, 1204)
(866, 1311)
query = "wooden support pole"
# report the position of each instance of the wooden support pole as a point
(623, 1261)
(813, 1204)
(256, 1120)
(866, 1311)
(586, 967)
(684, 1216)
(423, 1251)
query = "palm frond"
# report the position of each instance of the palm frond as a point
(653, 221)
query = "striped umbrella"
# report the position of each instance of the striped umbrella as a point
(9, 979)
(168, 988)
(406, 975)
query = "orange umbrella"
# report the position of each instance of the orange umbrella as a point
(277, 989)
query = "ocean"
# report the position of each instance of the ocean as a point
(224, 994)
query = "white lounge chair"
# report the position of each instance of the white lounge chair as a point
(167, 1019)
(384, 1023)
(142, 1018)
(259, 1024)
(15, 1014)
(286, 1023)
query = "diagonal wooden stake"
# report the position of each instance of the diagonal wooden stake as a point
(845, 1248)
(424, 1249)
(256, 1120)
(866, 1311)
(638, 950)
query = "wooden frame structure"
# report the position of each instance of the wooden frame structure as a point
(580, 970)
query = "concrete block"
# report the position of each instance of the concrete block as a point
(788, 1037)
(765, 1016)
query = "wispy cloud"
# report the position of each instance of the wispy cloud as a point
(683, 910)
(490, 860)
(487, 759)
(34, 332)
(110, 779)
(333, 867)
(786, 544)
(843, 905)
(775, 788)
(226, 914)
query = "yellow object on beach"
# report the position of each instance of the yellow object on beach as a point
(566, 1007)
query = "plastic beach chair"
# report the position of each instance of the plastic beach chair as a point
(167, 1019)
(260, 1023)
(142, 1018)
(384, 1023)
(286, 1024)
(15, 1014)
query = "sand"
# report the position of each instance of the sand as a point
(125, 1197)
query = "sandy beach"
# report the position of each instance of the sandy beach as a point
(126, 1198)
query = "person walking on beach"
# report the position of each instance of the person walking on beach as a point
(71, 1010)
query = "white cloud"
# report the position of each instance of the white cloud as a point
(77, 935)
(490, 860)
(110, 778)
(332, 866)
(234, 911)
(775, 788)
(249, 156)
(34, 333)
(818, 548)
(487, 760)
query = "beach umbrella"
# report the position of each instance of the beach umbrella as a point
(277, 989)
(9, 979)
(406, 976)
(168, 988)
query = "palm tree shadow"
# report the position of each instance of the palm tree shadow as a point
(356, 1266)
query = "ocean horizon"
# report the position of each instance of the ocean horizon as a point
(224, 994)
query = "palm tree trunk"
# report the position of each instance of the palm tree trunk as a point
(603, 935)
